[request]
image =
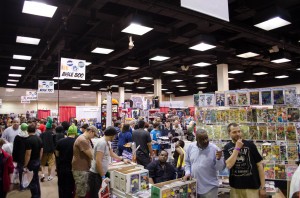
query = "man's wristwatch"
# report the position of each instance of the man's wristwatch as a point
(262, 188)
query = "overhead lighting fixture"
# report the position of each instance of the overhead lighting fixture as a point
(280, 57)
(21, 57)
(201, 83)
(201, 87)
(201, 64)
(146, 78)
(202, 47)
(100, 50)
(169, 92)
(55, 83)
(236, 71)
(115, 86)
(85, 84)
(17, 68)
(170, 72)
(272, 23)
(128, 90)
(176, 80)
(137, 29)
(164, 89)
(159, 58)
(28, 40)
(14, 75)
(298, 69)
(103, 89)
(181, 86)
(76, 87)
(260, 73)
(88, 63)
(183, 90)
(40, 9)
(201, 75)
(141, 87)
(10, 84)
(12, 80)
(230, 78)
(247, 55)
(58, 78)
(128, 83)
(249, 81)
(96, 80)
(110, 75)
(282, 76)
(131, 68)
(149, 92)
(281, 60)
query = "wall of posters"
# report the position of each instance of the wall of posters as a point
(72, 69)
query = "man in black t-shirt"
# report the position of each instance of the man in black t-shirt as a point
(33, 155)
(247, 179)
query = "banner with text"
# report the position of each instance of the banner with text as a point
(72, 69)
(31, 95)
(24, 100)
(46, 86)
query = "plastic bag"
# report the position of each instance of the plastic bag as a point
(104, 190)
(26, 178)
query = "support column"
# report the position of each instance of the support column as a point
(108, 109)
(222, 76)
(157, 89)
(121, 96)
(99, 98)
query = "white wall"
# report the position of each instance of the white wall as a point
(188, 100)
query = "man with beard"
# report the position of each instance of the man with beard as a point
(11, 132)
(203, 161)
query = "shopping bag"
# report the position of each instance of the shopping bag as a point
(26, 178)
(104, 190)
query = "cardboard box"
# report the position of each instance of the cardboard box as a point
(113, 177)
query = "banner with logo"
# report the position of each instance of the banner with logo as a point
(46, 86)
(24, 100)
(72, 69)
(31, 95)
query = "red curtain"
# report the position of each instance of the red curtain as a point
(43, 114)
(66, 112)
(164, 109)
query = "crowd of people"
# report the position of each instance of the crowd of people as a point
(82, 163)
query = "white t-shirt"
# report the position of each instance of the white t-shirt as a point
(9, 134)
(295, 182)
(102, 146)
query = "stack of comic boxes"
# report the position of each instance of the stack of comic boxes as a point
(174, 188)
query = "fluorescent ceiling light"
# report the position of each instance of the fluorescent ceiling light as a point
(58, 78)
(128, 90)
(88, 63)
(141, 87)
(9, 84)
(40, 9)
(96, 80)
(202, 75)
(260, 73)
(273, 23)
(110, 75)
(14, 75)
(247, 55)
(281, 60)
(55, 83)
(103, 89)
(17, 68)
(201, 83)
(21, 57)
(149, 92)
(236, 72)
(201, 88)
(115, 86)
(159, 58)
(137, 29)
(128, 83)
(164, 89)
(28, 40)
(170, 72)
(100, 50)
(9, 90)
(181, 86)
(85, 84)
(131, 68)
(183, 90)
(201, 64)
(202, 47)
(146, 78)
(176, 80)
(169, 92)
(249, 81)
(298, 68)
(282, 76)
(76, 87)
(12, 80)
(230, 78)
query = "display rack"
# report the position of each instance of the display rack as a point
(114, 114)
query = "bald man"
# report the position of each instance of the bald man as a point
(11, 132)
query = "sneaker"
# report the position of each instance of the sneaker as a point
(42, 178)
(50, 178)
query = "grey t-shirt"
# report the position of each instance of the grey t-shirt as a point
(141, 138)
(9, 134)
(102, 146)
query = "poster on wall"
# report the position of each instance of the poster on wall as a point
(278, 97)
(72, 69)
(24, 100)
(31, 95)
(46, 86)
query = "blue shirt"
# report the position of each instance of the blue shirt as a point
(202, 165)
(124, 137)
(154, 136)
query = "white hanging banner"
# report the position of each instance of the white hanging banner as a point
(24, 100)
(46, 86)
(214, 8)
(72, 69)
(31, 95)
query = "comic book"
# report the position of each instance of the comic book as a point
(290, 96)
(297, 125)
(293, 114)
(271, 131)
(242, 98)
(290, 132)
(249, 115)
(208, 116)
(201, 100)
(226, 114)
(219, 116)
(269, 171)
(262, 132)
(281, 114)
(266, 151)
(224, 133)
(245, 132)
(283, 154)
(196, 100)
(280, 171)
(254, 97)
(209, 100)
(234, 115)
(213, 116)
(217, 132)
(243, 115)
(220, 99)
(144, 181)
(272, 115)
(134, 183)
(275, 152)
(292, 152)
(290, 170)
(210, 131)
(266, 98)
(231, 99)
(254, 115)
(278, 97)
(262, 115)
(280, 131)
(253, 132)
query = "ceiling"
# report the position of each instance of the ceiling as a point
(78, 25)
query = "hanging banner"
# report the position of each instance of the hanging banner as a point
(31, 95)
(46, 86)
(24, 100)
(72, 69)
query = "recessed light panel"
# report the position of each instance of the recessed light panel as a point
(273, 23)
(247, 55)
(249, 81)
(100, 50)
(260, 73)
(14, 75)
(12, 80)
(281, 60)
(201, 64)
(40, 9)
(58, 78)
(235, 72)
(137, 29)
(181, 86)
(282, 76)
(202, 47)
(201, 83)
(10, 84)
(28, 40)
(164, 89)
(21, 57)
(183, 90)
(141, 87)
(85, 84)
(159, 58)
(169, 92)
(17, 68)
(176, 80)
(131, 68)
(110, 75)
(201, 88)
(170, 72)
(128, 90)
(76, 87)
(128, 83)
(96, 80)
(201, 75)
(146, 78)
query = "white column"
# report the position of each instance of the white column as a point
(99, 98)
(108, 109)
(222, 76)
(157, 89)
(121, 96)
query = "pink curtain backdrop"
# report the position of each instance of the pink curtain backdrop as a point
(67, 112)
(43, 114)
